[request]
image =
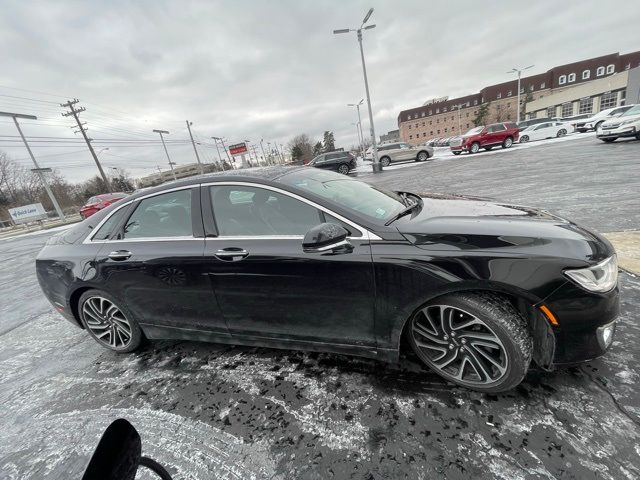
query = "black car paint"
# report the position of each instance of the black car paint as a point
(333, 160)
(355, 302)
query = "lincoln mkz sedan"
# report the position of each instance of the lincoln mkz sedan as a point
(301, 258)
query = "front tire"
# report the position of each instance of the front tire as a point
(524, 139)
(507, 142)
(609, 140)
(561, 133)
(343, 168)
(488, 149)
(422, 156)
(108, 322)
(476, 340)
(385, 161)
(475, 147)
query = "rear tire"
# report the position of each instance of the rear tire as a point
(609, 140)
(475, 147)
(108, 322)
(474, 339)
(488, 149)
(385, 161)
(343, 168)
(507, 142)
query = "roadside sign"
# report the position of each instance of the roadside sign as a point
(238, 149)
(28, 213)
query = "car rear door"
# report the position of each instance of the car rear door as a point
(266, 286)
(153, 264)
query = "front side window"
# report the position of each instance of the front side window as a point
(254, 211)
(164, 215)
(105, 231)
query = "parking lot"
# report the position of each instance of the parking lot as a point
(211, 411)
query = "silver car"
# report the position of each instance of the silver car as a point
(401, 152)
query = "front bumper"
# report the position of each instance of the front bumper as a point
(584, 318)
(618, 132)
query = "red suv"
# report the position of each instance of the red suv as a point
(486, 137)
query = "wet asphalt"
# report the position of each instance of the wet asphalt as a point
(221, 412)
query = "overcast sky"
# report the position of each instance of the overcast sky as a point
(258, 69)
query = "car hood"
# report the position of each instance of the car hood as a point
(448, 222)
(618, 120)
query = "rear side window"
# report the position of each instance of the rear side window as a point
(498, 128)
(511, 125)
(165, 215)
(105, 231)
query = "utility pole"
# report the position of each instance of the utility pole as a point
(76, 112)
(38, 170)
(224, 147)
(215, 141)
(160, 132)
(359, 126)
(255, 154)
(194, 148)
(262, 148)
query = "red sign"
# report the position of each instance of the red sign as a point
(238, 148)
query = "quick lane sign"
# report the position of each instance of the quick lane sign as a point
(28, 213)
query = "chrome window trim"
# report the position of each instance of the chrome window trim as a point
(88, 238)
(365, 233)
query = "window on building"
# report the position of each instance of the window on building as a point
(509, 93)
(586, 105)
(521, 89)
(410, 137)
(571, 77)
(438, 132)
(422, 114)
(438, 120)
(499, 95)
(467, 114)
(430, 112)
(409, 127)
(424, 134)
(430, 122)
(567, 109)
(468, 104)
(431, 132)
(437, 110)
(444, 109)
(468, 125)
(424, 123)
(600, 71)
(562, 79)
(627, 66)
(445, 130)
(611, 68)
(408, 117)
(551, 112)
(475, 102)
(586, 74)
(608, 100)
(542, 85)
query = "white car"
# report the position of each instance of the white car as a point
(593, 122)
(541, 131)
(626, 125)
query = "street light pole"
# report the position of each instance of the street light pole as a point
(194, 148)
(377, 166)
(38, 170)
(519, 72)
(160, 132)
(262, 148)
(361, 135)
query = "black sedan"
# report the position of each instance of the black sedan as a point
(296, 257)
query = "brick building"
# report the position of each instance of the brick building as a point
(582, 87)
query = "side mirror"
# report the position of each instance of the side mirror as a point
(325, 237)
(119, 454)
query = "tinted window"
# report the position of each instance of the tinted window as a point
(385, 147)
(498, 128)
(251, 211)
(331, 219)
(105, 231)
(543, 125)
(165, 215)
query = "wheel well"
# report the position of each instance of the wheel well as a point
(74, 299)
(543, 343)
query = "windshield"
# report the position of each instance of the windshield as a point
(354, 195)
(475, 130)
(632, 111)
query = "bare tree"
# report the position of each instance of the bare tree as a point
(301, 149)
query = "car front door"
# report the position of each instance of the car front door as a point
(266, 286)
(153, 264)
(407, 152)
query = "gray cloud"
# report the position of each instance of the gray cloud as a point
(249, 69)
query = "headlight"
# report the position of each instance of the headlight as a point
(599, 278)
(588, 125)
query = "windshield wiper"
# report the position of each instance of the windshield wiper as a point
(405, 211)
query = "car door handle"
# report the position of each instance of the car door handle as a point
(119, 255)
(231, 254)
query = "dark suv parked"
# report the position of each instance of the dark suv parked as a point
(341, 162)
(504, 134)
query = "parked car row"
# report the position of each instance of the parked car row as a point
(544, 130)
(594, 122)
(98, 202)
(341, 162)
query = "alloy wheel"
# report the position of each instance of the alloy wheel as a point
(422, 156)
(524, 139)
(475, 147)
(107, 322)
(459, 345)
(562, 132)
(508, 142)
(343, 169)
(385, 161)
